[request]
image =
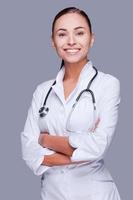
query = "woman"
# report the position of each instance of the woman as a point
(66, 142)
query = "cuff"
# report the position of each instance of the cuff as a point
(36, 164)
(76, 139)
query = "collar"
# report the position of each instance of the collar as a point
(86, 73)
(86, 70)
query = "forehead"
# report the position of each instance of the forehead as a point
(70, 20)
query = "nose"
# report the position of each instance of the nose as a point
(71, 40)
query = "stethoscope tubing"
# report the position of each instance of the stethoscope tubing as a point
(44, 110)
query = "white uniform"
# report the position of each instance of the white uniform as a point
(89, 180)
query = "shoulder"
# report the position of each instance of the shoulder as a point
(43, 87)
(108, 80)
(109, 90)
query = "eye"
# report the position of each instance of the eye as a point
(61, 34)
(80, 33)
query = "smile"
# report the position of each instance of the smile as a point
(75, 50)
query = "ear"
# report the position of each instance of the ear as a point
(92, 40)
(52, 42)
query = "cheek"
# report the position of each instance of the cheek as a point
(58, 46)
(87, 46)
(59, 51)
(85, 42)
(59, 42)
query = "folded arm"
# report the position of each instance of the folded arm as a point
(92, 145)
(60, 144)
(62, 148)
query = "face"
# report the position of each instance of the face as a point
(72, 38)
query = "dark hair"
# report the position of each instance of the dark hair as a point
(71, 10)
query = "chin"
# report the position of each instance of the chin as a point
(74, 61)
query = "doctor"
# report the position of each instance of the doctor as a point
(65, 142)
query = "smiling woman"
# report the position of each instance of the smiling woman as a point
(66, 140)
(72, 38)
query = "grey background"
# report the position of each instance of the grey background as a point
(27, 59)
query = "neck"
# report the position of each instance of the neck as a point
(72, 70)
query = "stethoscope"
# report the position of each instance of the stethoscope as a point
(43, 111)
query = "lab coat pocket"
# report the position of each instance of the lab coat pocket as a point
(82, 116)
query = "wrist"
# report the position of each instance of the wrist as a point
(42, 140)
(45, 140)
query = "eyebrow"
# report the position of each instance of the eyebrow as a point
(63, 29)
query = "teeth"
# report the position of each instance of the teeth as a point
(72, 50)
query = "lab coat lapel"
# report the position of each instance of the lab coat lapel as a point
(85, 76)
(58, 87)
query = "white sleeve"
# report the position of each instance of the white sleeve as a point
(33, 153)
(91, 146)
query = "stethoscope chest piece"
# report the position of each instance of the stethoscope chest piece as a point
(43, 111)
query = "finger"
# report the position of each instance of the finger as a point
(96, 125)
(97, 122)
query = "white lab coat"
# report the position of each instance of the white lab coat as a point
(90, 180)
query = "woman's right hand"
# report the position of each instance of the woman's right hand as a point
(96, 125)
